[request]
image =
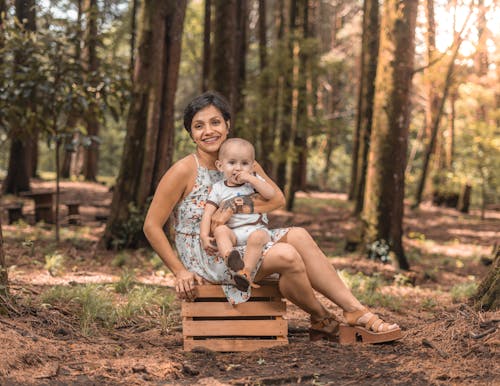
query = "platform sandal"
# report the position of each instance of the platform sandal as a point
(326, 328)
(368, 332)
(243, 280)
(234, 261)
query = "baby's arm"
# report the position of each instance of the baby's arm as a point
(207, 242)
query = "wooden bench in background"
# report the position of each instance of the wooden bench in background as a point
(14, 211)
(73, 212)
(211, 322)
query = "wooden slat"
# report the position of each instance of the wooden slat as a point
(235, 327)
(230, 345)
(215, 291)
(222, 309)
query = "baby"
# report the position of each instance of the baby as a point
(236, 161)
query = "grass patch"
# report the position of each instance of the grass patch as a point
(367, 289)
(95, 306)
(126, 282)
(463, 291)
(93, 303)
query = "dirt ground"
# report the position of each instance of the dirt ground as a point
(446, 342)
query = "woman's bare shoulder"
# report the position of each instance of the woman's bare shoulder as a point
(184, 167)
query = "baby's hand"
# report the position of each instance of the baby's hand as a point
(243, 177)
(209, 245)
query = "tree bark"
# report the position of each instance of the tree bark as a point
(368, 70)
(4, 279)
(205, 83)
(224, 64)
(487, 297)
(133, 36)
(384, 193)
(91, 62)
(22, 146)
(150, 127)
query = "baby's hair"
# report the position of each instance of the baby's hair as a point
(238, 142)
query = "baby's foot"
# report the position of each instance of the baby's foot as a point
(234, 261)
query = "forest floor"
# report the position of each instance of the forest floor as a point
(60, 331)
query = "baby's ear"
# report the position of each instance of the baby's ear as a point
(218, 165)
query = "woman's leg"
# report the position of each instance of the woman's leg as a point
(294, 284)
(323, 276)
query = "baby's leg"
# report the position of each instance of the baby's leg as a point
(225, 239)
(256, 241)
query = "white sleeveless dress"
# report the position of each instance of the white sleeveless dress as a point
(187, 218)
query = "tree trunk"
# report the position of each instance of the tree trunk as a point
(4, 279)
(20, 165)
(70, 151)
(369, 57)
(487, 297)
(224, 65)
(240, 61)
(133, 35)
(384, 193)
(205, 82)
(297, 164)
(265, 128)
(90, 166)
(150, 126)
(437, 111)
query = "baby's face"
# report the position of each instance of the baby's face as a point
(236, 159)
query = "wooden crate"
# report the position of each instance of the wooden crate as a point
(211, 322)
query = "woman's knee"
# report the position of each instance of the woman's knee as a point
(298, 234)
(291, 259)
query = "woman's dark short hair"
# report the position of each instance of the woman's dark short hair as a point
(208, 98)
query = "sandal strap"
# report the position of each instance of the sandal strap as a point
(374, 322)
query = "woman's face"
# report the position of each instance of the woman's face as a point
(208, 129)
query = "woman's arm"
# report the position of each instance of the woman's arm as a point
(207, 242)
(170, 190)
(254, 203)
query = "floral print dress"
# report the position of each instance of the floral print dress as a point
(187, 218)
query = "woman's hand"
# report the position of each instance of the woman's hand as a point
(185, 283)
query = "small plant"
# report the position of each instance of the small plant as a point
(30, 244)
(429, 304)
(54, 263)
(126, 282)
(120, 260)
(156, 261)
(463, 291)
(379, 250)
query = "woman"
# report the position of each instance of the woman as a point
(292, 253)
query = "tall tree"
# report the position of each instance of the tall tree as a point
(91, 63)
(4, 279)
(368, 72)
(437, 103)
(228, 65)
(383, 203)
(21, 147)
(149, 142)
(207, 23)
